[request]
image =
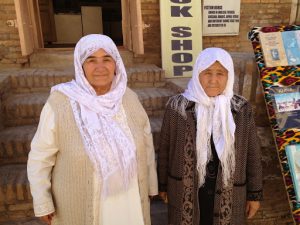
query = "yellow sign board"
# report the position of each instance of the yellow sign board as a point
(181, 36)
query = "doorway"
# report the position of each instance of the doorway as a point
(61, 23)
(64, 22)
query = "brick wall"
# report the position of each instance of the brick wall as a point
(151, 19)
(10, 50)
(253, 13)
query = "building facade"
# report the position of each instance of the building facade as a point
(30, 25)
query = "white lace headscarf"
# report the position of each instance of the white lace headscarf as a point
(214, 117)
(106, 142)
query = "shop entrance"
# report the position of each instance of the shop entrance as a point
(61, 23)
(64, 22)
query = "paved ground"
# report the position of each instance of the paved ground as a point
(159, 213)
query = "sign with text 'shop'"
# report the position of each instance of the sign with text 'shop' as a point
(221, 17)
(181, 36)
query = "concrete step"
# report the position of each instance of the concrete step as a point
(25, 108)
(42, 79)
(154, 99)
(15, 197)
(15, 144)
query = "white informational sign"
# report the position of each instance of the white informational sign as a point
(221, 17)
(181, 36)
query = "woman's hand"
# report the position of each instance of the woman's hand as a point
(251, 208)
(47, 219)
(163, 196)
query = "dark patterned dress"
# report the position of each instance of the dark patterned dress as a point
(207, 190)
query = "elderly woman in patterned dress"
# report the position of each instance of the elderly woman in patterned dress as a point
(209, 160)
(92, 155)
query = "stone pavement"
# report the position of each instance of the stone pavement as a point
(159, 212)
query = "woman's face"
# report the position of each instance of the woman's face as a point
(214, 79)
(99, 69)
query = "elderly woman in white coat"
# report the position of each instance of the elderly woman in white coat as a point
(92, 155)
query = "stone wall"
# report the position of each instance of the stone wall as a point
(10, 49)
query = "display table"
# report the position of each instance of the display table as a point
(279, 78)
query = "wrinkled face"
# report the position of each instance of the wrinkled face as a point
(214, 79)
(99, 69)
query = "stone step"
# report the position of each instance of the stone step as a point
(14, 185)
(145, 75)
(154, 99)
(38, 79)
(64, 57)
(42, 79)
(156, 123)
(57, 57)
(15, 141)
(25, 108)
(15, 144)
(25, 221)
(15, 197)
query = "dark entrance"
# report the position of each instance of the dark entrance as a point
(65, 21)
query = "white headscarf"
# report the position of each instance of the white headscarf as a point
(214, 116)
(105, 140)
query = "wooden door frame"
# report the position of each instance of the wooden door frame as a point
(29, 27)
(132, 25)
(24, 27)
(36, 22)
